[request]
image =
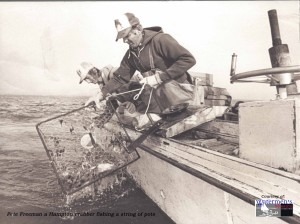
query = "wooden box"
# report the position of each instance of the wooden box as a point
(204, 79)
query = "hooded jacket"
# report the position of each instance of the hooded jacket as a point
(168, 56)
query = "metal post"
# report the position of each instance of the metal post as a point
(233, 64)
(279, 55)
(276, 39)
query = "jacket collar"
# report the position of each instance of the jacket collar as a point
(149, 33)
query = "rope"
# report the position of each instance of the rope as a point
(137, 95)
(141, 90)
(130, 91)
(149, 101)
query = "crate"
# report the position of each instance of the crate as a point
(204, 79)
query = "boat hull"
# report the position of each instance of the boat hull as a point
(192, 184)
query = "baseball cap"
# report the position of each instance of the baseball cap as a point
(83, 70)
(124, 24)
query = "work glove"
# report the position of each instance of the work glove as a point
(127, 105)
(96, 99)
(153, 80)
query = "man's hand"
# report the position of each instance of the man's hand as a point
(96, 98)
(127, 105)
(153, 80)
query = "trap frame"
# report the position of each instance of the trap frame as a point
(76, 162)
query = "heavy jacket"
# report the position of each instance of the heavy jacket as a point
(168, 56)
(107, 73)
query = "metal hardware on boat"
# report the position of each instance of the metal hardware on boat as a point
(233, 64)
(282, 74)
(278, 70)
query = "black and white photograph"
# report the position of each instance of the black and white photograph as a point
(130, 112)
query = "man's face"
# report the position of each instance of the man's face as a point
(92, 76)
(134, 38)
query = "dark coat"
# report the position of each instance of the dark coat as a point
(168, 56)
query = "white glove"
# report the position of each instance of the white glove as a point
(153, 80)
(96, 98)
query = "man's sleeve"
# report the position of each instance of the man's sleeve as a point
(121, 76)
(180, 58)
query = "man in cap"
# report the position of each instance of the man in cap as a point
(90, 74)
(156, 55)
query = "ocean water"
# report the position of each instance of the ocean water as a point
(27, 182)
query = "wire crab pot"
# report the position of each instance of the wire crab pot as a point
(81, 150)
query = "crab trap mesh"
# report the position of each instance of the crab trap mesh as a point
(81, 150)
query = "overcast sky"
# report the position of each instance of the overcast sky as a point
(42, 43)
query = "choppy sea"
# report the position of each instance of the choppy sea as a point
(27, 181)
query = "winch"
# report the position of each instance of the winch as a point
(282, 74)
